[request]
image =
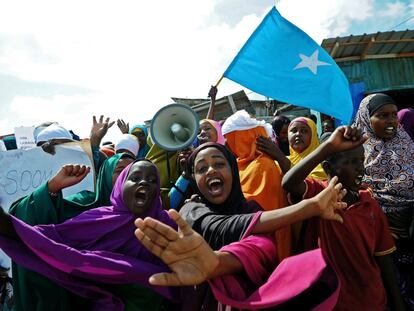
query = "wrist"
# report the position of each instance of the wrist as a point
(312, 207)
(53, 187)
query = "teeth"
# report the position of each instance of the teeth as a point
(390, 128)
(215, 180)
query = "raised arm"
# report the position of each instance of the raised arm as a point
(211, 110)
(99, 130)
(344, 138)
(266, 145)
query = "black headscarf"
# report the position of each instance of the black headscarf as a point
(220, 224)
(378, 101)
(277, 125)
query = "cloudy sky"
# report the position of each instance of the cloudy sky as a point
(68, 60)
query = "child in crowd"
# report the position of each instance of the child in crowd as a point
(359, 249)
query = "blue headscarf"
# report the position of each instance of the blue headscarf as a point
(143, 150)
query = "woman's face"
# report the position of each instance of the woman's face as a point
(212, 173)
(207, 133)
(283, 135)
(299, 136)
(384, 121)
(140, 187)
(122, 163)
(140, 135)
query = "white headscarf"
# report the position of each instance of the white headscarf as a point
(53, 131)
(128, 142)
(241, 120)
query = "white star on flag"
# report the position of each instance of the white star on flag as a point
(311, 62)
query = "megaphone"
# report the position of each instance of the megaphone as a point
(174, 127)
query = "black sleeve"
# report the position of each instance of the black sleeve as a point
(218, 230)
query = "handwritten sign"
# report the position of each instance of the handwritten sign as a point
(24, 137)
(23, 171)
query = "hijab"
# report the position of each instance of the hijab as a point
(217, 127)
(389, 165)
(108, 253)
(128, 142)
(143, 150)
(277, 124)
(406, 117)
(295, 157)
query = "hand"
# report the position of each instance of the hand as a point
(329, 200)
(124, 127)
(68, 175)
(267, 146)
(183, 156)
(194, 198)
(48, 147)
(186, 253)
(213, 92)
(99, 130)
(345, 138)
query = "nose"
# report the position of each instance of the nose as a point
(210, 170)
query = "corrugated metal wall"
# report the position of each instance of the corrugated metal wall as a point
(381, 75)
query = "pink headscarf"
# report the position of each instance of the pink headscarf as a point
(217, 126)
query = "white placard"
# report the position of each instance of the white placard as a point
(23, 171)
(24, 137)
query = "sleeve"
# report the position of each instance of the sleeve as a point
(218, 230)
(37, 208)
(384, 243)
(313, 187)
(97, 158)
(177, 192)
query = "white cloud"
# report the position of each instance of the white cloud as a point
(394, 9)
(135, 55)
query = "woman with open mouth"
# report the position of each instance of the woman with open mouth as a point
(389, 171)
(95, 255)
(222, 214)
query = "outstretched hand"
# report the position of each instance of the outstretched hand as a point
(186, 253)
(123, 127)
(99, 130)
(267, 146)
(68, 175)
(345, 138)
(329, 200)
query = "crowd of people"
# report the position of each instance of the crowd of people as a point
(250, 216)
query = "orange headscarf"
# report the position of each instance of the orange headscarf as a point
(260, 178)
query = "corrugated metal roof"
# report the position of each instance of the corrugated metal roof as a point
(389, 44)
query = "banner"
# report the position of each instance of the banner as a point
(23, 171)
(24, 137)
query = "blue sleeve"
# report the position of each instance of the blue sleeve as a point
(177, 192)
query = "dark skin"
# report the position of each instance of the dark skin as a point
(384, 121)
(211, 110)
(99, 130)
(140, 187)
(348, 166)
(267, 146)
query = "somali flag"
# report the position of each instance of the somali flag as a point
(282, 62)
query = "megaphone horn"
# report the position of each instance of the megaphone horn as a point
(174, 127)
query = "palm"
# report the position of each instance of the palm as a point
(186, 253)
(329, 200)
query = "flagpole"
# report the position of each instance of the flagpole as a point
(218, 82)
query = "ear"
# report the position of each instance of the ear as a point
(328, 168)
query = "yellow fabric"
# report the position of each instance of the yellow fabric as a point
(260, 178)
(158, 156)
(295, 157)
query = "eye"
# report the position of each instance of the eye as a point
(135, 178)
(219, 165)
(201, 169)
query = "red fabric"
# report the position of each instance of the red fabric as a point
(351, 248)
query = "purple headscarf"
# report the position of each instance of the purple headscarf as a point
(98, 246)
(406, 117)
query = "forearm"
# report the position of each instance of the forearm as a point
(389, 279)
(227, 264)
(283, 161)
(300, 171)
(270, 221)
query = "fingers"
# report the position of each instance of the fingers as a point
(76, 169)
(182, 224)
(164, 279)
(110, 124)
(161, 229)
(94, 120)
(148, 243)
(337, 217)
(101, 119)
(333, 181)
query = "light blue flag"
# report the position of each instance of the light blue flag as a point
(282, 62)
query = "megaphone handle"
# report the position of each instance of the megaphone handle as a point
(169, 169)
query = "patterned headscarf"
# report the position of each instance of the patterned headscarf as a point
(389, 165)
